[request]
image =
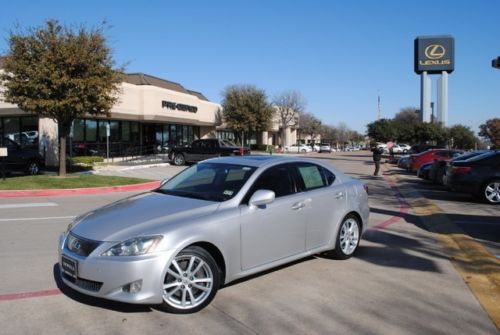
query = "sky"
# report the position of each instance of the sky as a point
(340, 55)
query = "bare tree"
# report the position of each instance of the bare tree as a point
(310, 125)
(289, 105)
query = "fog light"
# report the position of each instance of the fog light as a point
(133, 287)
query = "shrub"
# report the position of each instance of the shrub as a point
(87, 160)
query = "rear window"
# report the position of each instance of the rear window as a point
(482, 156)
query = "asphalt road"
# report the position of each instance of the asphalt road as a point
(400, 282)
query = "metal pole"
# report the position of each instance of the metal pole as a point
(425, 97)
(442, 98)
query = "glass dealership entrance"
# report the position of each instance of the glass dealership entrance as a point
(129, 137)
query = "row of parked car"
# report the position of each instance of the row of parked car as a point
(474, 172)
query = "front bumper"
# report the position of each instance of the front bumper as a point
(107, 276)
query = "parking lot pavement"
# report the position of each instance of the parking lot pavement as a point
(400, 282)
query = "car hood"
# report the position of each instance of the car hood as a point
(143, 214)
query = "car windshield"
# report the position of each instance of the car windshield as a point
(208, 181)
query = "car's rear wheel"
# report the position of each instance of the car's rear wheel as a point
(491, 192)
(179, 159)
(347, 238)
(33, 168)
(191, 282)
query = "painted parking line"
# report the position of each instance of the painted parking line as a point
(29, 204)
(39, 219)
(28, 295)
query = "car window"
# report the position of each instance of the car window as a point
(311, 176)
(208, 181)
(196, 144)
(314, 176)
(278, 179)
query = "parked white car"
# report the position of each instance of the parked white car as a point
(325, 147)
(299, 148)
(400, 148)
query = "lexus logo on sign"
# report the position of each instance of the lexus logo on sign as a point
(434, 54)
(435, 51)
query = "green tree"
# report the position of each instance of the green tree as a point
(382, 130)
(245, 109)
(61, 73)
(461, 137)
(430, 133)
(490, 130)
(408, 115)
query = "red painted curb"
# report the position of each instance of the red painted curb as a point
(27, 295)
(403, 206)
(78, 191)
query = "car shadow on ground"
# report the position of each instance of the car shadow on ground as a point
(96, 302)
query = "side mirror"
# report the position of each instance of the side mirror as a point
(163, 182)
(261, 198)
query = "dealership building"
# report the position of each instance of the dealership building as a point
(151, 114)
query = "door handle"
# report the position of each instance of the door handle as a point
(298, 205)
(339, 195)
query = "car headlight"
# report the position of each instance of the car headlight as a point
(134, 247)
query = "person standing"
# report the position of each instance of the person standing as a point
(377, 157)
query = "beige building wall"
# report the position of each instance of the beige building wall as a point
(144, 103)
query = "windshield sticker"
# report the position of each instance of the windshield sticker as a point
(228, 192)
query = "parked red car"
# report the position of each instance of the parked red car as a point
(429, 156)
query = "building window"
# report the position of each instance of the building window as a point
(114, 128)
(79, 130)
(134, 132)
(125, 131)
(90, 130)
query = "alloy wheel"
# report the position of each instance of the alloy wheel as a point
(349, 236)
(188, 283)
(492, 192)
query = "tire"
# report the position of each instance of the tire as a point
(33, 168)
(490, 192)
(303, 150)
(348, 236)
(179, 159)
(191, 281)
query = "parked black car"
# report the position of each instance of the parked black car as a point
(204, 149)
(438, 168)
(479, 175)
(20, 158)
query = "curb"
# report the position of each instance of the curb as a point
(79, 191)
(128, 168)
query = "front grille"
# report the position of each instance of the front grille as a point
(80, 245)
(85, 284)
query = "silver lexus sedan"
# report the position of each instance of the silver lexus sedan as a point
(217, 221)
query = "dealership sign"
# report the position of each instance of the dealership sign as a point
(179, 107)
(434, 54)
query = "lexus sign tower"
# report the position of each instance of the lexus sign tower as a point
(434, 55)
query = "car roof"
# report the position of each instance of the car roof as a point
(260, 160)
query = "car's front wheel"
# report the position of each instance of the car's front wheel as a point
(347, 238)
(179, 159)
(491, 192)
(191, 282)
